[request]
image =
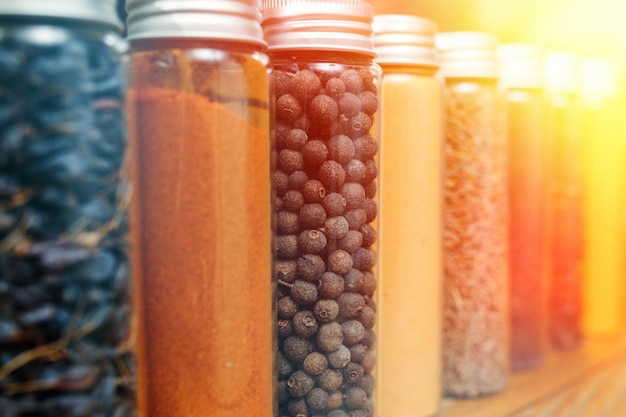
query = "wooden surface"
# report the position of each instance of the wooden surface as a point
(587, 382)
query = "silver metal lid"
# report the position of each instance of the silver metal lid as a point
(405, 39)
(330, 25)
(521, 65)
(467, 54)
(224, 20)
(97, 11)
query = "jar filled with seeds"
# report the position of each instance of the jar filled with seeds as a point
(325, 94)
(409, 345)
(521, 80)
(65, 294)
(475, 218)
(565, 217)
(199, 126)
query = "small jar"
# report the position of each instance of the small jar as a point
(199, 126)
(521, 80)
(604, 175)
(325, 94)
(65, 293)
(475, 218)
(565, 205)
(409, 346)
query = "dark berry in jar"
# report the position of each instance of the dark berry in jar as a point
(340, 149)
(332, 175)
(312, 216)
(297, 348)
(353, 331)
(314, 152)
(310, 267)
(339, 262)
(334, 204)
(352, 80)
(290, 161)
(304, 323)
(325, 310)
(350, 304)
(296, 139)
(303, 292)
(305, 84)
(287, 222)
(312, 241)
(336, 227)
(354, 193)
(287, 307)
(339, 358)
(330, 379)
(330, 285)
(313, 191)
(288, 107)
(323, 109)
(315, 363)
(317, 399)
(329, 337)
(297, 179)
(355, 170)
(293, 200)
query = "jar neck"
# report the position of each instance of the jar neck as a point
(141, 45)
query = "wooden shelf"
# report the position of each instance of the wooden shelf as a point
(586, 382)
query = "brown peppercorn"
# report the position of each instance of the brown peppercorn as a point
(293, 200)
(353, 372)
(365, 148)
(287, 246)
(281, 182)
(369, 235)
(354, 193)
(329, 337)
(356, 218)
(354, 280)
(364, 258)
(297, 179)
(339, 358)
(369, 102)
(314, 152)
(370, 187)
(371, 172)
(330, 379)
(349, 104)
(369, 285)
(336, 227)
(339, 262)
(330, 285)
(299, 384)
(285, 329)
(351, 241)
(340, 149)
(325, 310)
(296, 139)
(356, 398)
(312, 241)
(358, 125)
(310, 267)
(332, 175)
(290, 161)
(350, 304)
(287, 307)
(303, 292)
(315, 363)
(323, 109)
(352, 80)
(335, 400)
(305, 84)
(286, 270)
(355, 170)
(288, 107)
(334, 204)
(312, 215)
(353, 331)
(370, 207)
(287, 222)
(304, 323)
(313, 191)
(368, 317)
(335, 87)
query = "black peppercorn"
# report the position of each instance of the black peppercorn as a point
(330, 379)
(286, 270)
(288, 107)
(314, 152)
(353, 331)
(332, 175)
(304, 323)
(325, 310)
(340, 149)
(323, 109)
(293, 200)
(312, 241)
(369, 234)
(354, 194)
(356, 398)
(303, 292)
(297, 348)
(352, 372)
(287, 222)
(336, 227)
(334, 204)
(339, 358)
(287, 307)
(339, 262)
(365, 148)
(283, 366)
(335, 87)
(296, 139)
(297, 179)
(310, 267)
(352, 80)
(351, 241)
(305, 84)
(287, 246)
(290, 161)
(350, 304)
(315, 363)
(354, 280)
(330, 285)
(355, 171)
(317, 399)
(313, 191)
(356, 218)
(312, 215)
(285, 329)
(329, 337)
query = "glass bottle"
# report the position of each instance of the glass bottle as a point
(604, 152)
(199, 125)
(565, 205)
(65, 294)
(325, 89)
(521, 80)
(409, 346)
(475, 218)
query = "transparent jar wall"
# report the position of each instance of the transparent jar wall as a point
(326, 232)
(526, 130)
(409, 330)
(476, 308)
(565, 222)
(64, 251)
(199, 122)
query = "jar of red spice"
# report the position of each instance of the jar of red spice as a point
(325, 92)
(521, 80)
(409, 345)
(199, 125)
(475, 218)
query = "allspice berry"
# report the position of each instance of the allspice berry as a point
(354, 193)
(325, 310)
(296, 139)
(299, 384)
(305, 84)
(356, 218)
(315, 363)
(304, 323)
(351, 241)
(354, 280)
(288, 107)
(369, 102)
(350, 304)
(330, 285)
(359, 124)
(370, 207)
(317, 399)
(340, 149)
(335, 87)
(282, 82)
(303, 292)
(364, 258)
(311, 241)
(283, 366)
(334, 204)
(314, 152)
(313, 191)
(287, 246)
(339, 358)
(356, 398)
(339, 262)
(297, 348)
(329, 337)
(290, 161)
(330, 379)
(332, 175)
(352, 372)
(285, 329)
(281, 182)
(336, 227)
(369, 234)
(310, 267)
(349, 104)
(312, 216)
(355, 170)
(299, 408)
(293, 200)
(287, 222)
(297, 179)
(352, 80)
(287, 307)
(365, 148)
(357, 352)
(367, 317)
(323, 109)
(353, 331)
(286, 270)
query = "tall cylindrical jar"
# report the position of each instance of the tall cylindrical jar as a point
(521, 80)
(199, 125)
(65, 298)
(325, 87)
(604, 174)
(565, 204)
(475, 218)
(409, 319)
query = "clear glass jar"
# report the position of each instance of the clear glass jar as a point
(604, 175)
(409, 346)
(65, 293)
(521, 79)
(325, 86)
(565, 218)
(199, 124)
(475, 218)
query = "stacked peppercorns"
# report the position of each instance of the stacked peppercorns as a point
(64, 269)
(325, 182)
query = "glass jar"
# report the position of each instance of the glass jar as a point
(65, 294)
(199, 125)
(325, 87)
(604, 175)
(409, 346)
(521, 80)
(565, 218)
(475, 218)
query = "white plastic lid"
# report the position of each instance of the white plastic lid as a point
(561, 69)
(224, 20)
(97, 11)
(599, 78)
(330, 25)
(405, 39)
(521, 65)
(467, 54)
